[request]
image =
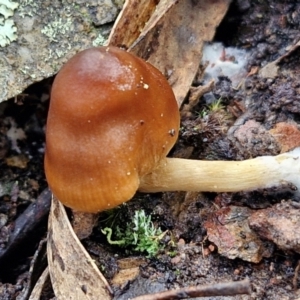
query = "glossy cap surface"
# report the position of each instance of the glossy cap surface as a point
(112, 118)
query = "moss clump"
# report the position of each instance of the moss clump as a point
(140, 235)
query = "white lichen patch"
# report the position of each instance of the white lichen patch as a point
(7, 33)
(5, 12)
(7, 7)
(99, 41)
(28, 8)
(58, 26)
(7, 26)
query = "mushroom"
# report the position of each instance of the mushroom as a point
(112, 120)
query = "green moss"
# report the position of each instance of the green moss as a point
(141, 235)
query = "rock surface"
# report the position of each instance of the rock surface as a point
(279, 224)
(230, 232)
(39, 36)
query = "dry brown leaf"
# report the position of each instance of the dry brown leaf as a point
(271, 69)
(83, 223)
(124, 276)
(195, 94)
(39, 287)
(128, 270)
(74, 275)
(131, 21)
(173, 42)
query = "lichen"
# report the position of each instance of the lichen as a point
(119, 3)
(7, 26)
(9, 5)
(99, 41)
(28, 8)
(58, 26)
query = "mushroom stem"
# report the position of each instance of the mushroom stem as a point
(175, 174)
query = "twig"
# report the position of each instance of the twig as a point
(28, 225)
(216, 289)
(195, 94)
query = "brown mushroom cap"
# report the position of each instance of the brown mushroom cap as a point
(112, 118)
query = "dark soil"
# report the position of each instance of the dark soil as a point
(266, 29)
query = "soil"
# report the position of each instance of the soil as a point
(266, 29)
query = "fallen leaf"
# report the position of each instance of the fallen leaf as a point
(124, 276)
(40, 285)
(131, 21)
(83, 223)
(173, 42)
(270, 70)
(74, 275)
